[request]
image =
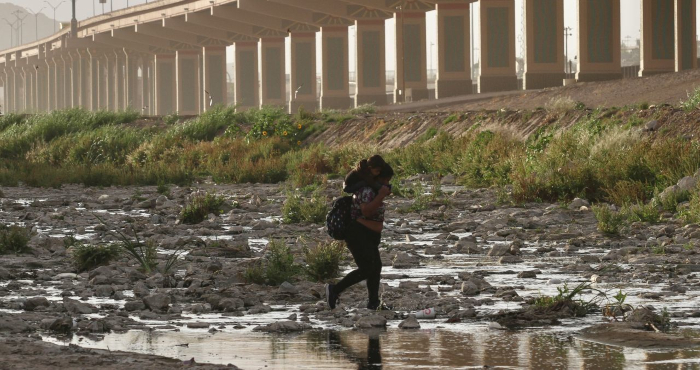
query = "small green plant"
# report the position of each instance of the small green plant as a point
(323, 260)
(618, 308)
(570, 298)
(171, 119)
(428, 134)
(14, 239)
(199, 206)
(296, 208)
(658, 249)
(163, 189)
(643, 105)
(669, 202)
(609, 221)
(368, 108)
(451, 118)
(144, 253)
(692, 102)
(276, 266)
(87, 256)
(641, 212)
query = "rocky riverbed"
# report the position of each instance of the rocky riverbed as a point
(478, 260)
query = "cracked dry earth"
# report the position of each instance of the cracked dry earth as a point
(466, 255)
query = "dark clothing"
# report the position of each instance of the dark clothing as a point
(354, 182)
(363, 243)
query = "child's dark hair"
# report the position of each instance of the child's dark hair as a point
(375, 161)
(387, 172)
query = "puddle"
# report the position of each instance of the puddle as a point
(472, 347)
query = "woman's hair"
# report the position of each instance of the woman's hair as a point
(363, 168)
(387, 172)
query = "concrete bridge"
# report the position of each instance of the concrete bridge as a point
(170, 55)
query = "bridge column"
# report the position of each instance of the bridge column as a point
(599, 40)
(165, 84)
(148, 75)
(302, 90)
(245, 77)
(273, 84)
(110, 80)
(370, 63)
(497, 62)
(686, 45)
(410, 70)
(544, 58)
(454, 53)
(93, 82)
(214, 76)
(50, 98)
(3, 84)
(131, 70)
(188, 82)
(335, 89)
(657, 52)
(120, 80)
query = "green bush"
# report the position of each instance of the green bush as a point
(323, 260)
(14, 239)
(609, 221)
(296, 208)
(276, 266)
(199, 206)
(641, 212)
(86, 256)
(693, 101)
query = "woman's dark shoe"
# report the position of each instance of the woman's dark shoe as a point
(331, 297)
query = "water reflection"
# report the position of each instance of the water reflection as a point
(437, 348)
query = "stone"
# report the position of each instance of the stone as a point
(13, 325)
(372, 321)
(198, 325)
(62, 325)
(403, 260)
(287, 288)
(410, 323)
(469, 288)
(687, 183)
(230, 304)
(65, 275)
(283, 327)
(577, 203)
(499, 250)
(76, 307)
(5, 274)
(554, 281)
(214, 266)
(158, 301)
(34, 302)
(651, 125)
(98, 326)
(527, 274)
(104, 291)
(410, 238)
(509, 259)
(134, 306)
(157, 219)
(448, 179)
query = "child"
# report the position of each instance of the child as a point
(365, 174)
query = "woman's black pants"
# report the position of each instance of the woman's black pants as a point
(364, 246)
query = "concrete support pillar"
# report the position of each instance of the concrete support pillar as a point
(545, 55)
(454, 51)
(273, 84)
(50, 98)
(497, 62)
(131, 88)
(686, 46)
(302, 89)
(92, 84)
(165, 84)
(148, 84)
(9, 84)
(335, 88)
(245, 77)
(410, 70)
(120, 80)
(3, 84)
(188, 85)
(30, 88)
(599, 40)
(370, 63)
(110, 81)
(657, 54)
(101, 65)
(214, 77)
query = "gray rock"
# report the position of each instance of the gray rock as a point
(687, 183)
(230, 304)
(157, 219)
(469, 288)
(577, 203)
(13, 325)
(34, 302)
(410, 323)
(214, 266)
(527, 274)
(77, 307)
(499, 250)
(651, 125)
(403, 260)
(158, 301)
(283, 327)
(372, 321)
(104, 291)
(5, 274)
(98, 326)
(62, 325)
(65, 275)
(198, 325)
(134, 306)
(287, 288)
(509, 259)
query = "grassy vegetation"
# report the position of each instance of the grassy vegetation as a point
(14, 239)
(200, 206)
(87, 256)
(604, 157)
(323, 260)
(299, 208)
(276, 266)
(568, 298)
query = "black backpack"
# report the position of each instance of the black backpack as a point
(338, 218)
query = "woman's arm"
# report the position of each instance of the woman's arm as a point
(375, 226)
(369, 209)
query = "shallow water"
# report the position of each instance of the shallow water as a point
(430, 348)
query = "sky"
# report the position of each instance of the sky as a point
(630, 20)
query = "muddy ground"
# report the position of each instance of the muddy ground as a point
(470, 254)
